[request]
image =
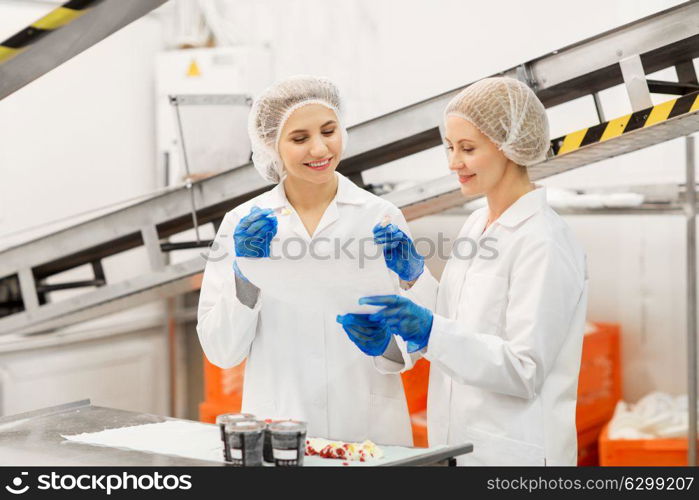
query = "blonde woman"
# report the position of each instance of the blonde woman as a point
(506, 338)
(300, 363)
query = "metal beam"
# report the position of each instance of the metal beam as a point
(635, 80)
(592, 64)
(671, 88)
(121, 230)
(173, 280)
(151, 241)
(27, 285)
(56, 47)
(686, 73)
(69, 285)
(661, 40)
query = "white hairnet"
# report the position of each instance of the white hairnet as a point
(272, 109)
(509, 114)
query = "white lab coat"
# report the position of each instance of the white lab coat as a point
(506, 339)
(300, 362)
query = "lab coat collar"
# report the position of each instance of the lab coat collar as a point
(526, 206)
(276, 197)
(347, 192)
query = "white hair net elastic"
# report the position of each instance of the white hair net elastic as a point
(509, 114)
(272, 109)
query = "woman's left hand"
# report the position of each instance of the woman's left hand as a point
(399, 252)
(370, 336)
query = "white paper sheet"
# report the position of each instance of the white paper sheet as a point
(173, 437)
(328, 279)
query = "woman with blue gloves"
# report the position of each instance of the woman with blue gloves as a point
(300, 363)
(506, 338)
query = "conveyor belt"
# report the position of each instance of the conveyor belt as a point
(440, 194)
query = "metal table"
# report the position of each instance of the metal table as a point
(34, 439)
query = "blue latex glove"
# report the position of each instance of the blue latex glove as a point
(399, 252)
(370, 336)
(403, 317)
(253, 234)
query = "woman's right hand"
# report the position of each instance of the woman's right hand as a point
(399, 252)
(253, 234)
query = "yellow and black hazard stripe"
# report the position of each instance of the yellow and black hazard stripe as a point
(619, 126)
(52, 21)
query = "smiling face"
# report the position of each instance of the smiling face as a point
(480, 165)
(310, 144)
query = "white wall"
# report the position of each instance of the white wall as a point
(126, 370)
(78, 138)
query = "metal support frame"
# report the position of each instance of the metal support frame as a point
(524, 74)
(99, 280)
(674, 88)
(98, 270)
(198, 100)
(188, 185)
(152, 243)
(691, 213)
(598, 107)
(27, 285)
(185, 245)
(686, 72)
(217, 223)
(69, 285)
(635, 81)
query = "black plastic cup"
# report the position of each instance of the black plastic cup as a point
(288, 442)
(245, 441)
(222, 420)
(267, 450)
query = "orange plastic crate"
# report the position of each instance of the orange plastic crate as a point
(588, 446)
(223, 390)
(209, 411)
(419, 423)
(599, 383)
(415, 384)
(640, 452)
